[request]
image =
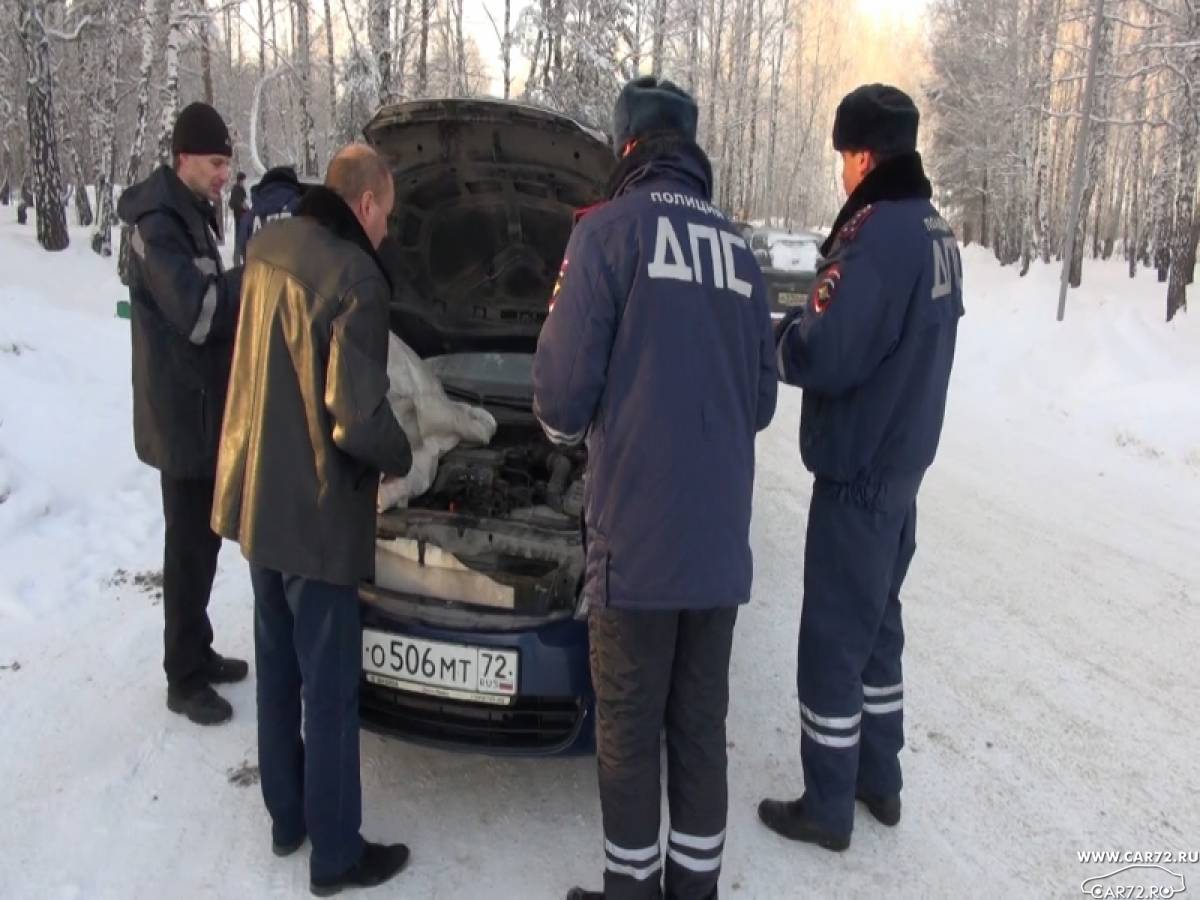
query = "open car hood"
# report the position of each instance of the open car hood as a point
(485, 196)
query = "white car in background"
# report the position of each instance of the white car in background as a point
(787, 251)
(789, 263)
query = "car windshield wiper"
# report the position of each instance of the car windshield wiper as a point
(479, 398)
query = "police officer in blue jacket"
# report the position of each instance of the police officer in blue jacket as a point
(275, 197)
(872, 352)
(659, 351)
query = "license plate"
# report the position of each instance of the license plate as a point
(791, 298)
(455, 671)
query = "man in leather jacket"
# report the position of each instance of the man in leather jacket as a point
(307, 432)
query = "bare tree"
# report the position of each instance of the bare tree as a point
(660, 34)
(133, 166)
(259, 117)
(423, 53)
(455, 44)
(1183, 243)
(43, 142)
(169, 93)
(106, 129)
(331, 71)
(204, 27)
(1098, 138)
(776, 87)
(379, 31)
(506, 48)
(304, 77)
(404, 27)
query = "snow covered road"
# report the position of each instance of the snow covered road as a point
(1052, 612)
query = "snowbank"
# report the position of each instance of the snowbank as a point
(1051, 615)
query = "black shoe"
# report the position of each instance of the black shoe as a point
(884, 809)
(379, 863)
(787, 818)
(578, 893)
(224, 670)
(202, 705)
(287, 849)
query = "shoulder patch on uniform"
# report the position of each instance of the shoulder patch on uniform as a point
(851, 229)
(826, 287)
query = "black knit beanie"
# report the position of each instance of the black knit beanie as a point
(199, 129)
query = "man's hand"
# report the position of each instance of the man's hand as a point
(782, 325)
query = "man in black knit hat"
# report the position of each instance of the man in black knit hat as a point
(873, 352)
(184, 314)
(658, 349)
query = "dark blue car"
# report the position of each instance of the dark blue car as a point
(473, 634)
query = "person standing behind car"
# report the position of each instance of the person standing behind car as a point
(658, 350)
(237, 206)
(308, 430)
(184, 311)
(275, 197)
(873, 352)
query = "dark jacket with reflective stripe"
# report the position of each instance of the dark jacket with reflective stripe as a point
(308, 427)
(184, 313)
(659, 349)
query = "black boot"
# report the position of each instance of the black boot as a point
(578, 893)
(202, 705)
(379, 863)
(287, 848)
(884, 809)
(787, 818)
(224, 669)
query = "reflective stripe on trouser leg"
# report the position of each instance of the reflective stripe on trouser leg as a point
(849, 558)
(697, 763)
(631, 656)
(883, 684)
(641, 864)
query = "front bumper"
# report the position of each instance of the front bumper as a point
(552, 714)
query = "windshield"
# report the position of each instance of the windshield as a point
(504, 374)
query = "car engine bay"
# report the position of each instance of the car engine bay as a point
(518, 476)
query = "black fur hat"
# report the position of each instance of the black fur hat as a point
(649, 106)
(876, 117)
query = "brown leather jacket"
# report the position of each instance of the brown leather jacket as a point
(307, 427)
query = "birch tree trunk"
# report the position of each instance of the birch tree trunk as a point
(39, 111)
(107, 128)
(304, 75)
(133, 165)
(379, 29)
(331, 71)
(169, 94)
(1183, 242)
(423, 51)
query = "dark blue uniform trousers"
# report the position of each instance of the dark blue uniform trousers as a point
(851, 691)
(662, 673)
(308, 645)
